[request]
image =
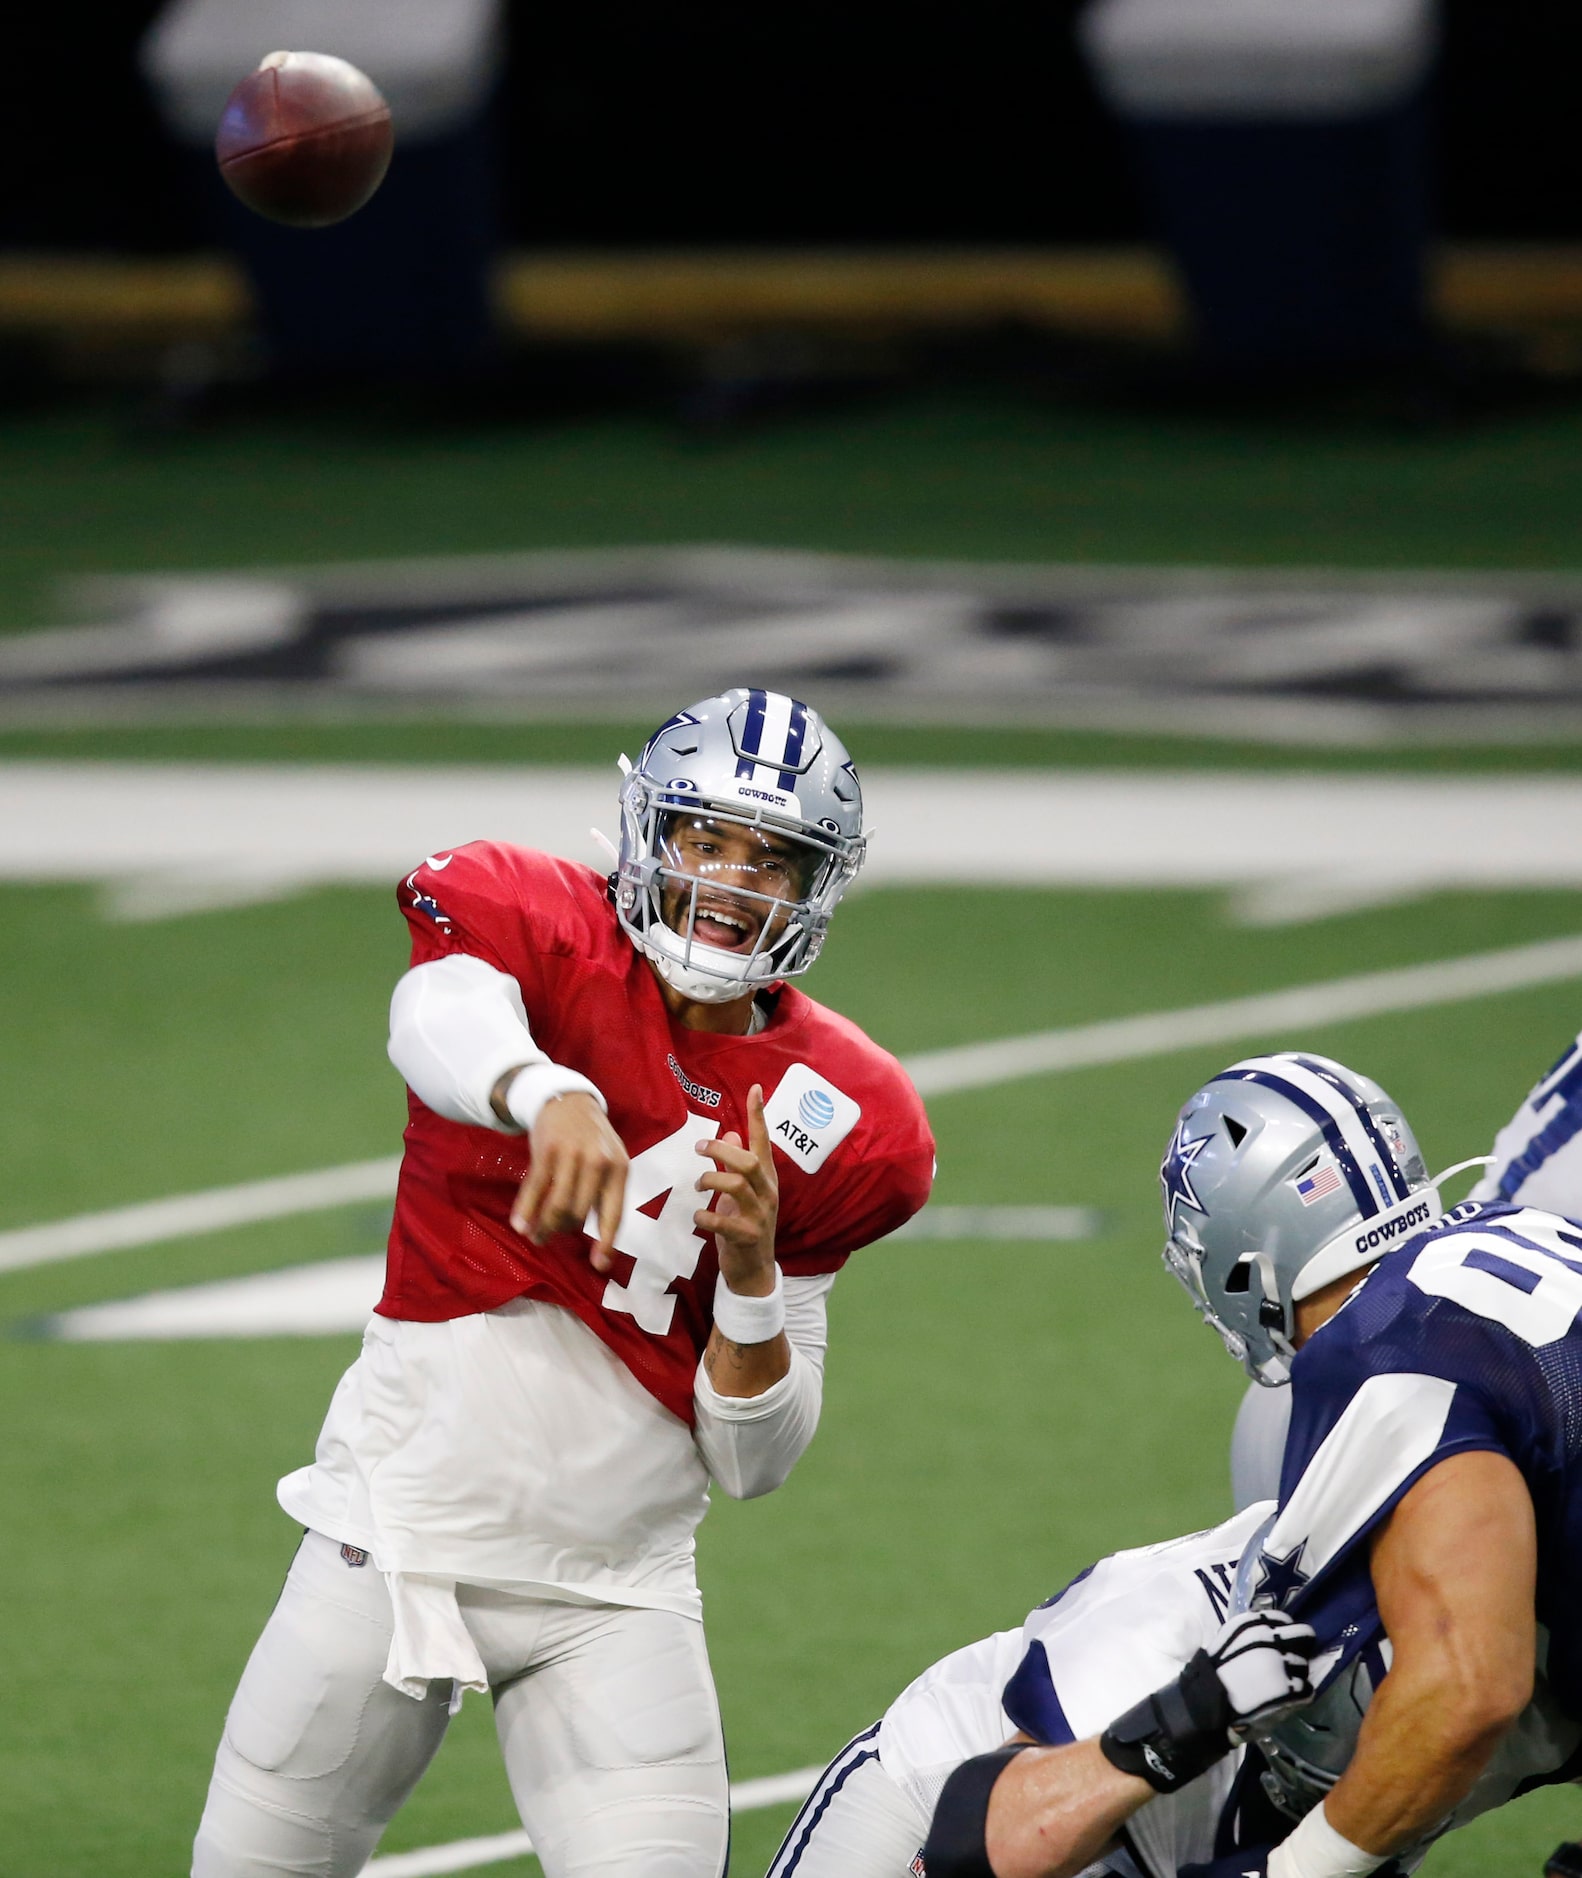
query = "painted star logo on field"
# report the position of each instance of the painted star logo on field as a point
(1280, 1578)
(1175, 1173)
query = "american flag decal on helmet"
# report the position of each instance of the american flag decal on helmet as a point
(1313, 1186)
(773, 736)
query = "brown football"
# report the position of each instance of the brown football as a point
(305, 139)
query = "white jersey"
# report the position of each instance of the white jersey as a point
(1121, 1630)
(512, 1449)
(951, 1712)
(1538, 1153)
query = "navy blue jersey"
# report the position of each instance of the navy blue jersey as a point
(1467, 1337)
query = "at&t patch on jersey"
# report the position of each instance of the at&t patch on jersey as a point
(808, 1117)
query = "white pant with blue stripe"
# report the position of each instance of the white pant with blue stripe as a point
(857, 1823)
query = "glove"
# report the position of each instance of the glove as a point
(1263, 1661)
(1257, 1663)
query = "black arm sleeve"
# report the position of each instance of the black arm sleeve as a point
(955, 1847)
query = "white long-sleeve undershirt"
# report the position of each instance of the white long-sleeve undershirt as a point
(456, 1026)
(751, 1443)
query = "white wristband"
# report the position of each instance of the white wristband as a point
(750, 1320)
(539, 1083)
(1316, 1850)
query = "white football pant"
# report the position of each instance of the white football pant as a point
(606, 1716)
(857, 1822)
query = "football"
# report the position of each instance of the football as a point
(305, 139)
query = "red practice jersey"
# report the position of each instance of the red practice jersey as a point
(854, 1153)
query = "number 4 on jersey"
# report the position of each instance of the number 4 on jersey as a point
(656, 1230)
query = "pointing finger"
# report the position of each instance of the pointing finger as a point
(757, 1127)
(611, 1201)
(530, 1197)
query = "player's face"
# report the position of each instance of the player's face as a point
(740, 871)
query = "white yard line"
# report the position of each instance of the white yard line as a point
(1267, 1014)
(169, 839)
(747, 1796)
(335, 1296)
(189, 1214)
(1272, 1015)
(1001, 1222)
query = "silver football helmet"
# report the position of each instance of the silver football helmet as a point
(741, 827)
(1284, 1173)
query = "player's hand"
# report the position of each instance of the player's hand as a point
(1257, 1664)
(746, 1204)
(579, 1168)
(1263, 1662)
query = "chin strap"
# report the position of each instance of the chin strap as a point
(1478, 1160)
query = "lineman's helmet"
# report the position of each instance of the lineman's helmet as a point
(776, 794)
(1284, 1173)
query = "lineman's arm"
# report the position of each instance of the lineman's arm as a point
(1048, 1812)
(1454, 1573)
(1053, 1811)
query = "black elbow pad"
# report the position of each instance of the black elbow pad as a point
(955, 1847)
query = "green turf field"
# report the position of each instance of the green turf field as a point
(983, 475)
(996, 1415)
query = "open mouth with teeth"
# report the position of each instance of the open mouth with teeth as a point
(730, 929)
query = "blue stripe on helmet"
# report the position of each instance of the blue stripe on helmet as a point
(1334, 1140)
(752, 732)
(796, 736)
(1374, 1132)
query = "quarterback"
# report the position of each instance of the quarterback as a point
(636, 1157)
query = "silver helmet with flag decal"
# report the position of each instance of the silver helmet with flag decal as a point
(1284, 1173)
(741, 827)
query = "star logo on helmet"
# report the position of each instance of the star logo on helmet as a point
(1175, 1173)
(1280, 1578)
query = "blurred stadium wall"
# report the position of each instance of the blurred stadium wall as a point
(705, 179)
